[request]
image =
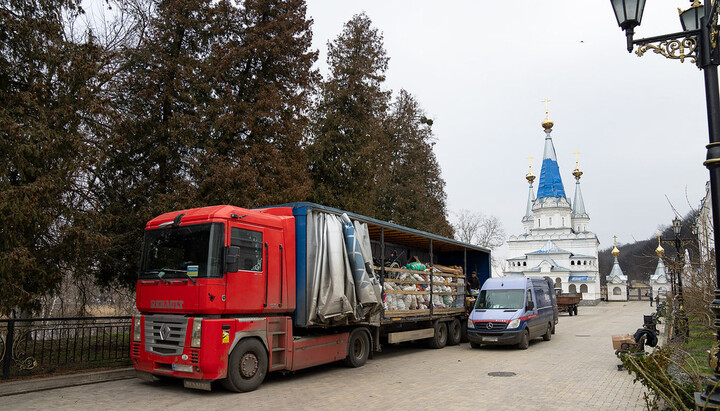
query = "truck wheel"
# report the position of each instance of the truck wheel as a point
(440, 338)
(575, 310)
(247, 366)
(358, 348)
(525, 341)
(548, 334)
(570, 311)
(454, 332)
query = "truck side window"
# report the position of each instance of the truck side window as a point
(251, 251)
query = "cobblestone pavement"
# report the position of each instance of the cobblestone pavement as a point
(576, 370)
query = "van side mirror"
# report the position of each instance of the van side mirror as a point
(529, 306)
(232, 259)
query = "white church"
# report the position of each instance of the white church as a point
(557, 241)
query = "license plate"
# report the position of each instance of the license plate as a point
(182, 367)
(489, 339)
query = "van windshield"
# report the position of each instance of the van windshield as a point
(500, 299)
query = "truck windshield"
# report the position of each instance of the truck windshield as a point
(182, 252)
(502, 299)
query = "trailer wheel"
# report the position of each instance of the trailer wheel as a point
(570, 310)
(525, 341)
(247, 366)
(454, 332)
(575, 310)
(358, 348)
(548, 334)
(441, 335)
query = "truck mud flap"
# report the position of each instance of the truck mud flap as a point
(197, 384)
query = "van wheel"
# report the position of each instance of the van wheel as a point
(475, 345)
(553, 329)
(548, 334)
(358, 348)
(525, 341)
(440, 338)
(247, 366)
(454, 332)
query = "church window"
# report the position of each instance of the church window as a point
(524, 263)
(558, 283)
(616, 291)
(584, 262)
(572, 289)
(550, 221)
(583, 288)
(563, 221)
(538, 223)
(572, 262)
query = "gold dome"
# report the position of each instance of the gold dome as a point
(615, 252)
(659, 250)
(547, 124)
(530, 177)
(577, 173)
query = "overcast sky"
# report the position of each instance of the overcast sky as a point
(480, 69)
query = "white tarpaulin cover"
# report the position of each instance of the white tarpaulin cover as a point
(340, 281)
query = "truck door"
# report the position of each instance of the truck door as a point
(245, 290)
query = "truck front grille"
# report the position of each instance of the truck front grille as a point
(165, 334)
(490, 325)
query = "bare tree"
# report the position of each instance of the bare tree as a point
(476, 228)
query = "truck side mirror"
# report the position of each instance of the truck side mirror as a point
(232, 259)
(529, 306)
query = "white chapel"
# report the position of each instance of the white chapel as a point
(557, 241)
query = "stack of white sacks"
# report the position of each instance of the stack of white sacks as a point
(400, 302)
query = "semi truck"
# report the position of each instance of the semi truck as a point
(230, 294)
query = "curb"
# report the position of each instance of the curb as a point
(41, 384)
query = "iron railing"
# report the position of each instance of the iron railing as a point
(30, 346)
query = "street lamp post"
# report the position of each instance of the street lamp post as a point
(698, 42)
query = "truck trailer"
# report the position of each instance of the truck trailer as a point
(229, 294)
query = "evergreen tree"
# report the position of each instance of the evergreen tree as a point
(47, 102)
(263, 78)
(158, 100)
(414, 194)
(348, 153)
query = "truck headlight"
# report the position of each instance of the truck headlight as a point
(471, 324)
(137, 330)
(514, 323)
(196, 333)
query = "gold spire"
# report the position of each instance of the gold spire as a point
(530, 176)
(577, 172)
(615, 251)
(547, 123)
(659, 251)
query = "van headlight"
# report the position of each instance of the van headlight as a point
(471, 324)
(196, 333)
(137, 331)
(514, 323)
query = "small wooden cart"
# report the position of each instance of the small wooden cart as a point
(568, 301)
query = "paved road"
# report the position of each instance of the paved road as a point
(577, 369)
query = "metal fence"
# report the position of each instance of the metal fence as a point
(30, 346)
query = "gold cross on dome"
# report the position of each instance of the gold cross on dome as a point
(530, 161)
(546, 101)
(615, 239)
(576, 157)
(659, 235)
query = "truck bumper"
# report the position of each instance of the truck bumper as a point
(495, 338)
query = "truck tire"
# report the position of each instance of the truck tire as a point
(454, 332)
(548, 334)
(570, 310)
(525, 341)
(575, 310)
(358, 348)
(440, 338)
(247, 366)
